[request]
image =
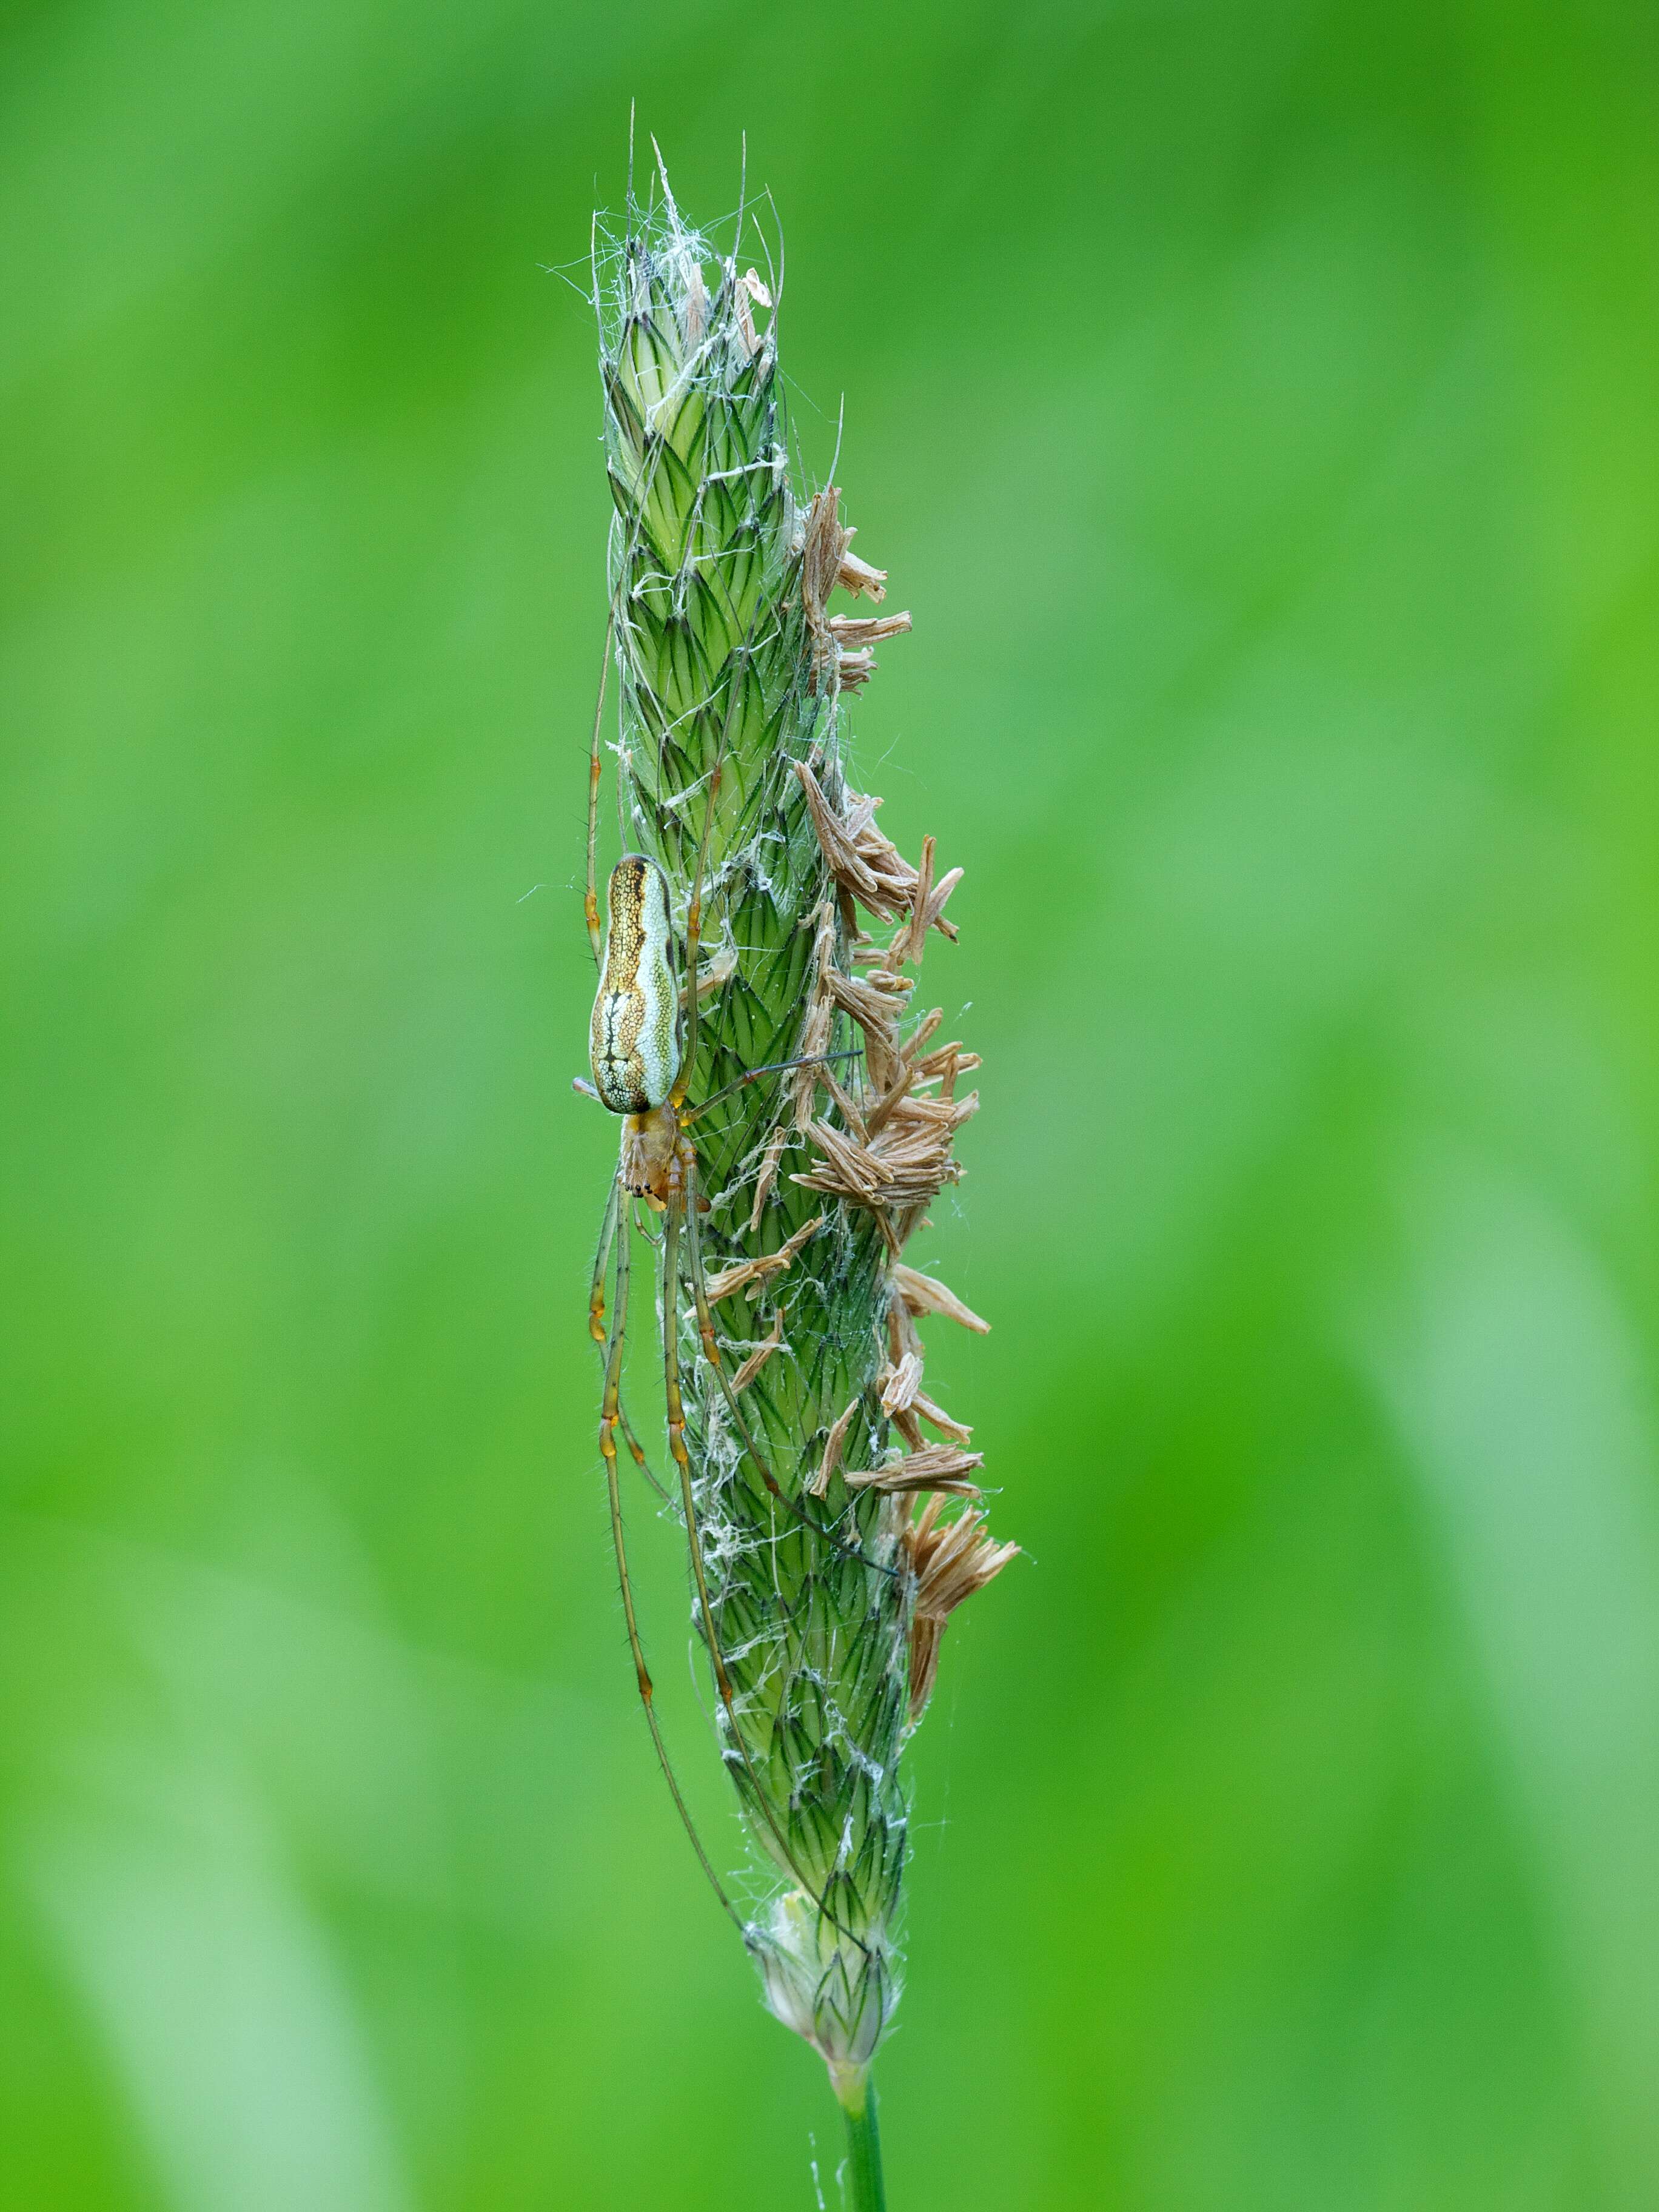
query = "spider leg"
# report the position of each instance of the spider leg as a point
(638, 1450)
(642, 1222)
(712, 1353)
(596, 1328)
(591, 903)
(754, 1075)
(609, 1419)
(652, 459)
(614, 1217)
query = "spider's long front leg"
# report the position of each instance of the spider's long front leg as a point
(591, 903)
(638, 1450)
(610, 1418)
(596, 1328)
(755, 1074)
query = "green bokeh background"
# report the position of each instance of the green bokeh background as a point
(1255, 401)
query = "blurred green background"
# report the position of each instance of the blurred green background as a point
(1255, 405)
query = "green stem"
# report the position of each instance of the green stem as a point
(865, 2190)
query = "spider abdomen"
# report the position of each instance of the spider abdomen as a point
(634, 1038)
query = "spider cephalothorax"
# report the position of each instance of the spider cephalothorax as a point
(653, 1165)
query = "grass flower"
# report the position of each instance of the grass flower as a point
(832, 1506)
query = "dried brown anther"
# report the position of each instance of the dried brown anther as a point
(839, 644)
(765, 1180)
(752, 1273)
(906, 1164)
(904, 1400)
(925, 1294)
(835, 1444)
(899, 1384)
(855, 576)
(927, 911)
(750, 287)
(758, 1357)
(950, 1559)
(872, 868)
(943, 1467)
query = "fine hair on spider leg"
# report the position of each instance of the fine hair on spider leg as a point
(598, 1331)
(638, 1450)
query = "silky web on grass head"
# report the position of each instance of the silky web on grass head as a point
(789, 1117)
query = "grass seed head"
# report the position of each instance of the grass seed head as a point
(729, 747)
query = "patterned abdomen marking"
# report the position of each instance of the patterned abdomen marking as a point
(634, 1038)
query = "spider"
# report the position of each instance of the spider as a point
(643, 1049)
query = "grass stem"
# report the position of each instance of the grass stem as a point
(865, 2190)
